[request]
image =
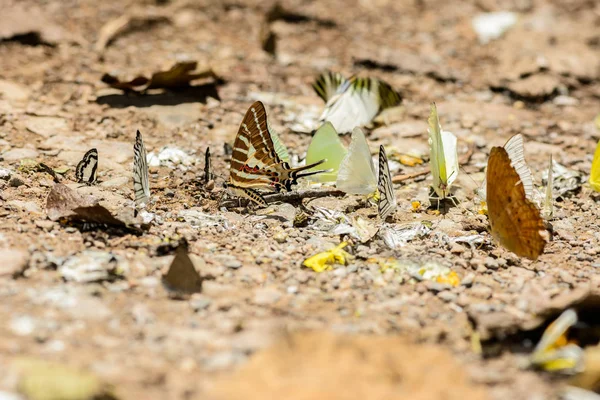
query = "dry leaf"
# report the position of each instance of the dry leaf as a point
(179, 76)
(63, 202)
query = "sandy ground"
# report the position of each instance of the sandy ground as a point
(541, 79)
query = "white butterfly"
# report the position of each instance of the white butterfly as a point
(387, 198)
(357, 173)
(443, 155)
(515, 150)
(353, 102)
(87, 167)
(141, 184)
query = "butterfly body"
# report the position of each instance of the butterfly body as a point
(87, 168)
(260, 160)
(514, 219)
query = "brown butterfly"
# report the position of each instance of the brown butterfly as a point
(182, 279)
(260, 160)
(515, 221)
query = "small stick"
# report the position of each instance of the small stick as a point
(463, 161)
(287, 196)
(207, 166)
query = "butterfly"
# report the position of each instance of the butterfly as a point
(516, 152)
(443, 155)
(357, 173)
(595, 171)
(326, 144)
(387, 198)
(514, 219)
(141, 184)
(353, 102)
(86, 168)
(554, 352)
(182, 278)
(260, 160)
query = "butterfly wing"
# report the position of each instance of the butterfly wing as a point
(328, 84)
(326, 144)
(357, 173)
(595, 171)
(141, 183)
(450, 146)
(280, 148)
(87, 167)
(356, 103)
(436, 153)
(515, 149)
(387, 198)
(256, 161)
(182, 277)
(515, 221)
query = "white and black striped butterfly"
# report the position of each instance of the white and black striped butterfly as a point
(387, 198)
(87, 167)
(353, 102)
(141, 185)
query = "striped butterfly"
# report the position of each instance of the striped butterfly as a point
(260, 160)
(141, 185)
(387, 198)
(353, 102)
(86, 168)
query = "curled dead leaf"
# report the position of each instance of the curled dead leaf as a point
(180, 75)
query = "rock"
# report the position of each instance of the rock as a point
(89, 266)
(5, 173)
(23, 325)
(228, 261)
(491, 263)
(266, 296)
(447, 296)
(535, 87)
(15, 181)
(44, 224)
(47, 126)
(19, 154)
(13, 92)
(116, 182)
(199, 302)
(13, 261)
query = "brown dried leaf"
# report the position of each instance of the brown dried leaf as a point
(62, 200)
(178, 76)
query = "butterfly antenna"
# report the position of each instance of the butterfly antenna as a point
(309, 166)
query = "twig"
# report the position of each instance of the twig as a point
(287, 196)
(463, 161)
